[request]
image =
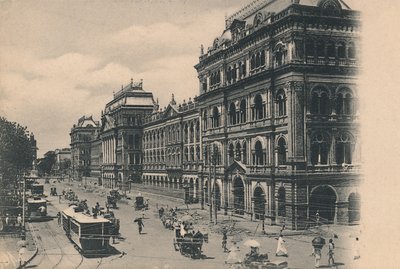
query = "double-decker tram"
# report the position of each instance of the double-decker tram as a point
(37, 209)
(90, 234)
(37, 189)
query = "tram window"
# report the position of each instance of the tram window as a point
(91, 229)
(74, 228)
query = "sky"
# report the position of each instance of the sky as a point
(60, 60)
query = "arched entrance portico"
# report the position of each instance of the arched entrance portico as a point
(238, 196)
(259, 203)
(322, 200)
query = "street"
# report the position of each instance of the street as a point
(154, 247)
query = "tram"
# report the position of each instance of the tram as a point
(37, 189)
(89, 234)
(37, 209)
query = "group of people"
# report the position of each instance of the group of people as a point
(10, 222)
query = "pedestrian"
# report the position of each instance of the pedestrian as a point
(140, 225)
(331, 257)
(59, 199)
(356, 248)
(317, 255)
(59, 218)
(281, 248)
(224, 239)
(19, 221)
(21, 255)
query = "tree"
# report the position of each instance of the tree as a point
(45, 165)
(15, 149)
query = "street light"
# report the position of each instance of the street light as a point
(263, 211)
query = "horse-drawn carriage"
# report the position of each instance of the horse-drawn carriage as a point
(140, 203)
(190, 244)
(113, 198)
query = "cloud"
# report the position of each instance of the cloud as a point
(56, 91)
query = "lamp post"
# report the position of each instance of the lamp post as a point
(263, 213)
(200, 163)
(214, 194)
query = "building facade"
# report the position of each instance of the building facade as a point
(172, 148)
(273, 134)
(63, 160)
(81, 135)
(278, 102)
(121, 135)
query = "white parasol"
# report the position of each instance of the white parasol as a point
(252, 243)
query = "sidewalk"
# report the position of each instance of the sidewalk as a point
(9, 257)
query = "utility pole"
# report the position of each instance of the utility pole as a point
(215, 182)
(209, 184)
(23, 203)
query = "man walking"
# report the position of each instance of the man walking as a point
(331, 257)
(224, 239)
(140, 224)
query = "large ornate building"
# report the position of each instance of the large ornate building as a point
(121, 134)
(278, 100)
(273, 133)
(82, 134)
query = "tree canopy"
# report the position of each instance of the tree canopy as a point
(15, 149)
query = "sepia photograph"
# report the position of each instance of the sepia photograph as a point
(173, 134)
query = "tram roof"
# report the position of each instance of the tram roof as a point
(83, 218)
(36, 201)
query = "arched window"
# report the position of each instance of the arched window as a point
(244, 159)
(234, 72)
(243, 111)
(348, 104)
(232, 114)
(205, 151)
(279, 57)
(258, 154)
(281, 151)
(198, 153)
(320, 48)
(330, 49)
(352, 51)
(191, 154)
(243, 67)
(309, 48)
(262, 57)
(258, 60)
(205, 120)
(281, 102)
(341, 49)
(324, 104)
(197, 131)
(238, 152)
(186, 133)
(215, 117)
(191, 134)
(319, 149)
(320, 104)
(229, 74)
(186, 154)
(344, 148)
(231, 153)
(345, 103)
(252, 62)
(258, 108)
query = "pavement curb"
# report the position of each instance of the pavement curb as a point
(33, 255)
